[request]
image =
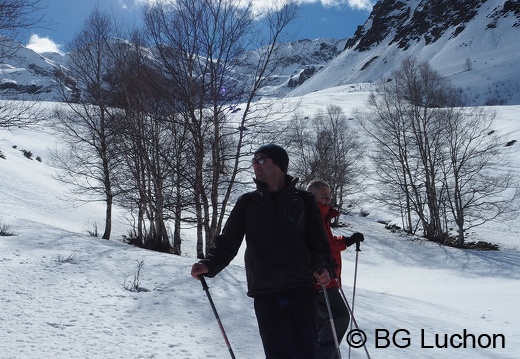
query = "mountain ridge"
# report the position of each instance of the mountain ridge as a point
(471, 42)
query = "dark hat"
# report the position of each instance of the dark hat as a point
(276, 153)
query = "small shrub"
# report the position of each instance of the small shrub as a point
(468, 65)
(38, 158)
(67, 259)
(135, 284)
(93, 230)
(2, 155)
(5, 229)
(27, 154)
(479, 245)
(392, 227)
(482, 246)
(133, 239)
(495, 101)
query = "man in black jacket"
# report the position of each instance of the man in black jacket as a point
(287, 253)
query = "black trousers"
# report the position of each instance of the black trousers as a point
(326, 345)
(287, 323)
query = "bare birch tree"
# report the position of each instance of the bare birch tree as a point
(326, 146)
(478, 189)
(432, 158)
(88, 160)
(201, 46)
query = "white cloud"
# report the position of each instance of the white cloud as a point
(148, 2)
(42, 44)
(354, 4)
(361, 4)
(260, 5)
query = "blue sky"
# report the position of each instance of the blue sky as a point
(318, 19)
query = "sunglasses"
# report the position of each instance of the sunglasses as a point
(324, 197)
(259, 160)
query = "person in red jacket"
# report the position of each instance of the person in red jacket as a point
(340, 315)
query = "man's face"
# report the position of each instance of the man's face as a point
(265, 169)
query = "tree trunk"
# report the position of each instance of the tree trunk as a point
(108, 218)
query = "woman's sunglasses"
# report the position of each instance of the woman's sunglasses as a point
(324, 197)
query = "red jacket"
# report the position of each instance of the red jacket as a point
(336, 243)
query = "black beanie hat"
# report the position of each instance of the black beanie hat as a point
(276, 153)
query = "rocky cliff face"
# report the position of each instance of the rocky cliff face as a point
(408, 22)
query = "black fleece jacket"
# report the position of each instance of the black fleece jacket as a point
(285, 239)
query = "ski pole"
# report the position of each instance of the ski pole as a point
(206, 289)
(332, 326)
(352, 318)
(355, 275)
(354, 287)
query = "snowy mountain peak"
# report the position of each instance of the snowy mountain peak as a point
(26, 74)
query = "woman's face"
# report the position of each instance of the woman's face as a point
(323, 196)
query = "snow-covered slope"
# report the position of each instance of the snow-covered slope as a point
(473, 43)
(67, 295)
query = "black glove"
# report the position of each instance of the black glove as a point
(354, 238)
